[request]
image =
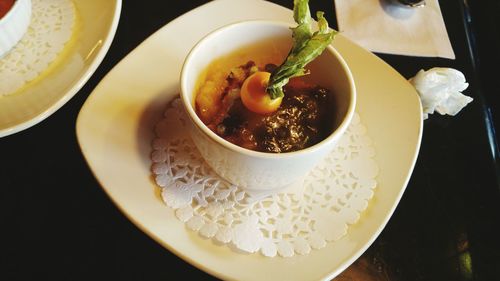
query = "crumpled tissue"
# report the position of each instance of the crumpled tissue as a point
(440, 90)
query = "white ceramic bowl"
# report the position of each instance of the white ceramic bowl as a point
(252, 170)
(14, 25)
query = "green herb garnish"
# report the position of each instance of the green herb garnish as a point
(305, 48)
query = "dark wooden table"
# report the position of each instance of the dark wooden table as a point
(58, 224)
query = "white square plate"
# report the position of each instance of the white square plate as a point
(115, 130)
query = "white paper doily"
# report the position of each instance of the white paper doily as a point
(50, 29)
(301, 218)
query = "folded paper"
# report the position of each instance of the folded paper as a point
(386, 27)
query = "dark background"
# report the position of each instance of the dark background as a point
(58, 224)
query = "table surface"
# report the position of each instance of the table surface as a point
(58, 224)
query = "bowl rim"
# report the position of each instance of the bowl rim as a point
(11, 11)
(187, 103)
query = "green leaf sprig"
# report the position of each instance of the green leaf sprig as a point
(306, 47)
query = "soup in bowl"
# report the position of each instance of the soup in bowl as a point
(269, 150)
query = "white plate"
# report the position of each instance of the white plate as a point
(96, 23)
(115, 129)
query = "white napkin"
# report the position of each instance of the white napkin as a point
(440, 89)
(395, 29)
